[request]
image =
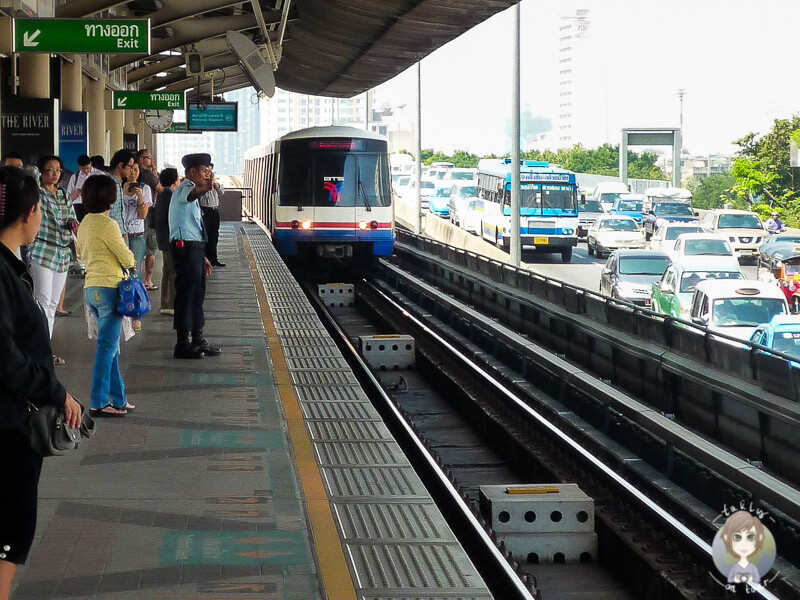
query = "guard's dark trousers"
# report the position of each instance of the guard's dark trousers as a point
(190, 286)
(211, 224)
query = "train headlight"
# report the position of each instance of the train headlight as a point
(373, 225)
(295, 224)
(306, 224)
(362, 226)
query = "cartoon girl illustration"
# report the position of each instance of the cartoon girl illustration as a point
(743, 535)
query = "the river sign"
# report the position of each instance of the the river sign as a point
(82, 36)
(147, 100)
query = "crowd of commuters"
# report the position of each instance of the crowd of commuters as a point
(112, 222)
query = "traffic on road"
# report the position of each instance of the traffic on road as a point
(726, 270)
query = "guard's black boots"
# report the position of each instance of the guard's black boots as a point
(200, 344)
(185, 349)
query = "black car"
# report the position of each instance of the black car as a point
(630, 274)
(667, 212)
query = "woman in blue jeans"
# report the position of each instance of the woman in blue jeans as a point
(137, 199)
(105, 254)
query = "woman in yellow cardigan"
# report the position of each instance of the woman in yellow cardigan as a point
(105, 253)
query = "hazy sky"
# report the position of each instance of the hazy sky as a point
(735, 59)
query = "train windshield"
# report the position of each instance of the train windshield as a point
(327, 176)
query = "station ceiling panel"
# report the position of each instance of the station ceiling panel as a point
(332, 47)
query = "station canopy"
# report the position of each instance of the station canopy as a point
(337, 48)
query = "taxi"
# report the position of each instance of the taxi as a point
(781, 334)
(672, 294)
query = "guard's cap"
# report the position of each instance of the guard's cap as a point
(201, 159)
(774, 214)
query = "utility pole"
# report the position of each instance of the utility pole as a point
(418, 200)
(516, 240)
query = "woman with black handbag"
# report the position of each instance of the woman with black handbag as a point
(104, 252)
(26, 373)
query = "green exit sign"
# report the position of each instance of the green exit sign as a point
(147, 101)
(82, 36)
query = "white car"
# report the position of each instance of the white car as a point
(743, 229)
(736, 308)
(460, 195)
(614, 232)
(665, 236)
(705, 245)
(458, 174)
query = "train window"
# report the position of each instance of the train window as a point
(373, 169)
(294, 181)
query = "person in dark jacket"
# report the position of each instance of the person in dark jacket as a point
(26, 373)
(168, 178)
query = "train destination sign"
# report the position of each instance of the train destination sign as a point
(82, 36)
(147, 100)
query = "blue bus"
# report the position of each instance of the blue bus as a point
(548, 206)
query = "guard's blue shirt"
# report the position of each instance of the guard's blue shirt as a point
(185, 217)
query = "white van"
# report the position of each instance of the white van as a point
(606, 192)
(735, 307)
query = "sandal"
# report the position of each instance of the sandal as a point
(58, 361)
(129, 407)
(63, 313)
(151, 287)
(108, 411)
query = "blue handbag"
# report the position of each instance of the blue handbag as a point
(133, 300)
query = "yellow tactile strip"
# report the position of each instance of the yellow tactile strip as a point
(334, 572)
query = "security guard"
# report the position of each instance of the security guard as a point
(187, 244)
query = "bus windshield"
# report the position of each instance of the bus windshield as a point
(548, 198)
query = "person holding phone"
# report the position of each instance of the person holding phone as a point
(137, 200)
(75, 185)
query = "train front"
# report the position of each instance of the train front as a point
(334, 197)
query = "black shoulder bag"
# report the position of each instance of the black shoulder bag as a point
(50, 433)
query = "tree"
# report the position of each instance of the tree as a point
(762, 170)
(714, 191)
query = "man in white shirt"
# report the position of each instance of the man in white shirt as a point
(75, 185)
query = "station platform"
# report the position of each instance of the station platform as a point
(263, 473)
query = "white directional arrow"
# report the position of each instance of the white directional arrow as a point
(28, 39)
(122, 102)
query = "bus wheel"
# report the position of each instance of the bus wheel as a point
(566, 255)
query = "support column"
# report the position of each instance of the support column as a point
(34, 75)
(130, 121)
(418, 196)
(114, 124)
(72, 84)
(94, 103)
(623, 157)
(515, 246)
(677, 147)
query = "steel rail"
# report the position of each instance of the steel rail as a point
(510, 580)
(587, 455)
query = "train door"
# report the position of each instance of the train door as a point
(334, 191)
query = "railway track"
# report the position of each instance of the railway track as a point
(660, 530)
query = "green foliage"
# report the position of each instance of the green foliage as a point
(601, 161)
(715, 191)
(763, 174)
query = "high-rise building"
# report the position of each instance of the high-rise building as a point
(582, 88)
(288, 111)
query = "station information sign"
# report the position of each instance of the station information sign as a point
(126, 100)
(216, 116)
(82, 36)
